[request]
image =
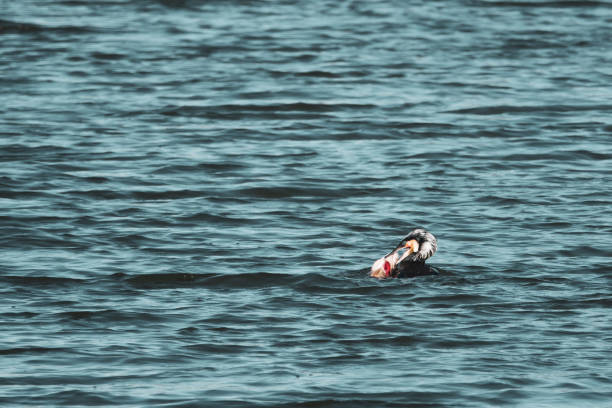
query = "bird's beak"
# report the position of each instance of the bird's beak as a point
(412, 246)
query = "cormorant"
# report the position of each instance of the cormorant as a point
(417, 247)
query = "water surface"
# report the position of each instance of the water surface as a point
(192, 193)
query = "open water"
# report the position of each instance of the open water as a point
(192, 192)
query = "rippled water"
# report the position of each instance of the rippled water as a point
(192, 193)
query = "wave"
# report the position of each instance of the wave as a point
(41, 281)
(514, 109)
(238, 110)
(17, 27)
(142, 195)
(284, 192)
(35, 350)
(541, 4)
(217, 281)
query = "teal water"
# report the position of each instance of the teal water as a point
(192, 194)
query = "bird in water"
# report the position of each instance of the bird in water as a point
(408, 258)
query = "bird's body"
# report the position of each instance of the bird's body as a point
(412, 269)
(418, 246)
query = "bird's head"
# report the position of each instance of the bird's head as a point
(419, 245)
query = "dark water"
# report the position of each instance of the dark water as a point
(192, 192)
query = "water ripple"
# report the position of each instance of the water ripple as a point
(193, 192)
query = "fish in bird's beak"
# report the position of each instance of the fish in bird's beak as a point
(384, 266)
